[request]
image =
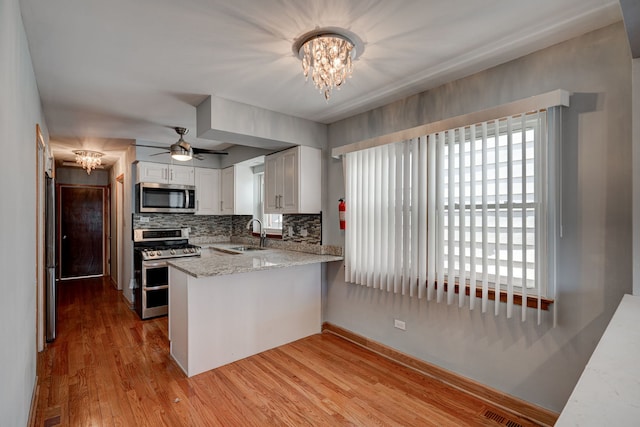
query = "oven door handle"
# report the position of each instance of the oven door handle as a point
(153, 264)
(155, 288)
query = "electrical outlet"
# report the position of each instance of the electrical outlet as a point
(144, 219)
(290, 231)
(399, 324)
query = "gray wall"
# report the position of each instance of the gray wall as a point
(78, 176)
(19, 112)
(540, 364)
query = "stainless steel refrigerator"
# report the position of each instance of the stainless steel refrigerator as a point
(50, 257)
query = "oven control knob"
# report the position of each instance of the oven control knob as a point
(172, 251)
(185, 250)
(158, 253)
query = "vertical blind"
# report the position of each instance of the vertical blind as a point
(460, 207)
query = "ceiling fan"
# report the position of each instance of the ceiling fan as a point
(182, 150)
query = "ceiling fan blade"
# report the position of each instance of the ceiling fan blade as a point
(157, 154)
(205, 151)
(149, 146)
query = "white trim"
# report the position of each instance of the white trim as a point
(558, 97)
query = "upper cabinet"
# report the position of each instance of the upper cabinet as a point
(292, 181)
(236, 190)
(207, 191)
(165, 174)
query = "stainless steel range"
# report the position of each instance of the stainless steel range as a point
(152, 248)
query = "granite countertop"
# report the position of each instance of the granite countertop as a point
(219, 260)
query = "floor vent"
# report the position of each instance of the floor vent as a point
(500, 419)
(495, 417)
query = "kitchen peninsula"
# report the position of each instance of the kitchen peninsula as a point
(230, 304)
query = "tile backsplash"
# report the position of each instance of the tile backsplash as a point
(301, 228)
(201, 225)
(297, 228)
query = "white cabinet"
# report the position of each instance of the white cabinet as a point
(181, 175)
(292, 181)
(207, 191)
(236, 190)
(165, 174)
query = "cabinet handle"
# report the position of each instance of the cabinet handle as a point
(220, 205)
(197, 205)
(276, 201)
(280, 201)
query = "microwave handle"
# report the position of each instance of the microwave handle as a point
(186, 193)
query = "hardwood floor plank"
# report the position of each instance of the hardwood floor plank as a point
(109, 368)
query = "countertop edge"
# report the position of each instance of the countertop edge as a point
(285, 259)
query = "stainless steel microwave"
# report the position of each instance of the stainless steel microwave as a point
(165, 198)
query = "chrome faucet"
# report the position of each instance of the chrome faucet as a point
(263, 234)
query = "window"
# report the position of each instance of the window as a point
(467, 206)
(272, 223)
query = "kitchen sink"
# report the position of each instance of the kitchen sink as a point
(237, 250)
(247, 248)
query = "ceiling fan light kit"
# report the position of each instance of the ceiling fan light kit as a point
(327, 54)
(181, 150)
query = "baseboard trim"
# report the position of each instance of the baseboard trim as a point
(126, 301)
(113, 282)
(509, 403)
(34, 403)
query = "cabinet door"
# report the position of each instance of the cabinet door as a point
(227, 191)
(183, 175)
(207, 191)
(272, 177)
(152, 172)
(289, 200)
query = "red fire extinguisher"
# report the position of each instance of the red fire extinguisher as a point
(342, 213)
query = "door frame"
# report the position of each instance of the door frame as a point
(105, 219)
(119, 224)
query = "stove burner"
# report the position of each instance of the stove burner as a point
(152, 244)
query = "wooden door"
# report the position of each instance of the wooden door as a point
(81, 231)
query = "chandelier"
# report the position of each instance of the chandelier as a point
(89, 160)
(326, 54)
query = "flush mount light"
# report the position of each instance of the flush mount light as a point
(327, 54)
(89, 160)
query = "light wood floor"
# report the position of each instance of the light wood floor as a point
(108, 368)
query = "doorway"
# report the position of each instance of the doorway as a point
(82, 226)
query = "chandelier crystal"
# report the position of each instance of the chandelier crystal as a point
(89, 160)
(328, 57)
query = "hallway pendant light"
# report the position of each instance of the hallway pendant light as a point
(327, 55)
(89, 160)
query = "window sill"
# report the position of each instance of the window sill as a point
(532, 301)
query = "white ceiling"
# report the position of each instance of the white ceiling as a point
(110, 72)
